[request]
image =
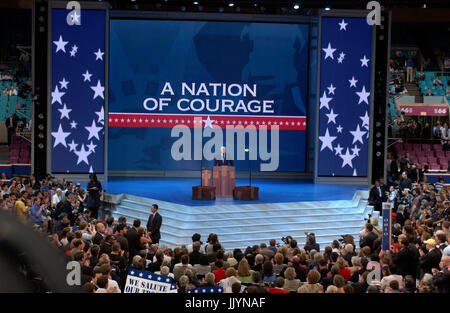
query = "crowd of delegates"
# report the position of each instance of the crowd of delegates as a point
(417, 262)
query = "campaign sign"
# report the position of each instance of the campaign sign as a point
(146, 282)
(387, 226)
(215, 289)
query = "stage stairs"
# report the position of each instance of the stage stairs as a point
(239, 226)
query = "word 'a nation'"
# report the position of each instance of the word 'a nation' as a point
(223, 98)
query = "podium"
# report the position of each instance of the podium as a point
(206, 191)
(224, 180)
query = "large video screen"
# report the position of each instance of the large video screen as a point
(345, 97)
(77, 92)
(178, 89)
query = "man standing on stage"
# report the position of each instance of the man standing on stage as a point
(223, 158)
(154, 224)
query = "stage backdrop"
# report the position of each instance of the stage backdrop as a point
(164, 73)
(344, 105)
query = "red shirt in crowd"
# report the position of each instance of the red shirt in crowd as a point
(219, 274)
(345, 272)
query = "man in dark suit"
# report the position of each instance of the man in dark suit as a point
(223, 158)
(405, 259)
(416, 174)
(377, 196)
(100, 228)
(405, 182)
(154, 224)
(11, 124)
(134, 241)
(195, 255)
(431, 259)
(369, 238)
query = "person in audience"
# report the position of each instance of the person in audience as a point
(94, 189)
(429, 93)
(11, 125)
(437, 81)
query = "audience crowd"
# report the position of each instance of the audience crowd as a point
(417, 262)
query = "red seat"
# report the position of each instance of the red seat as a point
(437, 147)
(444, 167)
(442, 161)
(435, 166)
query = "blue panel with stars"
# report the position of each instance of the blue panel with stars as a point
(77, 98)
(344, 110)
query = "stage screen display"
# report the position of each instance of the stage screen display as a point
(344, 105)
(173, 82)
(77, 104)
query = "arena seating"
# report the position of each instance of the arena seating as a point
(423, 154)
(426, 84)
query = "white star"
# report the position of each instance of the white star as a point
(60, 44)
(101, 116)
(357, 135)
(82, 155)
(72, 53)
(73, 124)
(363, 95)
(365, 119)
(91, 147)
(64, 112)
(342, 55)
(343, 25)
(353, 81)
(347, 159)
(324, 101)
(75, 17)
(64, 83)
(327, 141)
(91, 170)
(364, 61)
(87, 76)
(340, 60)
(60, 137)
(75, 48)
(331, 117)
(356, 150)
(98, 90)
(93, 130)
(73, 146)
(99, 55)
(354, 172)
(329, 51)
(338, 149)
(331, 89)
(56, 95)
(339, 129)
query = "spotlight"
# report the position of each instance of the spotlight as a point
(327, 7)
(296, 6)
(231, 4)
(195, 2)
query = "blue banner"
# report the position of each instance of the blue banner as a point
(78, 92)
(214, 289)
(224, 73)
(387, 226)
(345, 91)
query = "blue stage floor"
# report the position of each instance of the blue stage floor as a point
(179, 190)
